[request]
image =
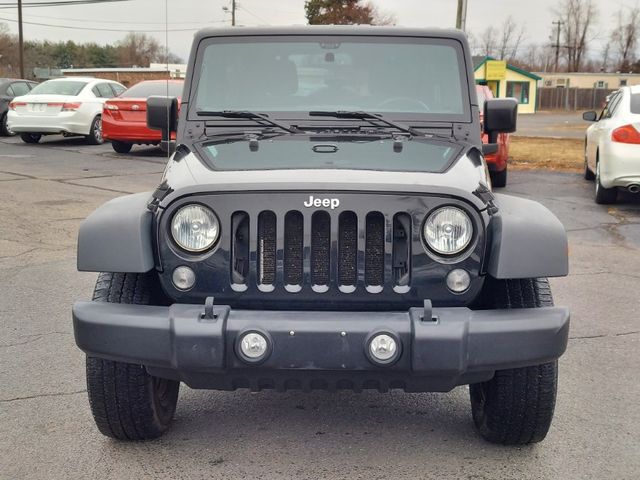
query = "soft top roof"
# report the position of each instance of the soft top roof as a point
(331, 30)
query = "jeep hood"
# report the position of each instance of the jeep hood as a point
(188, 175)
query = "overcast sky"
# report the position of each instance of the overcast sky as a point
(190, 15)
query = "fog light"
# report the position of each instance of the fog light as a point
(253, 347)
(383, 349)
(458, 280)
(183, 278)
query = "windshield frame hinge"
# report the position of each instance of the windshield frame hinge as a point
(487, 197)
(158, 195)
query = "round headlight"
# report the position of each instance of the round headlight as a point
(448, 231)
(195, 228)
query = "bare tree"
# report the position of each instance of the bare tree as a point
(488, 41)
(606, 56)
(578, 17)
(138, 49)
(511, 37)
(625, 37)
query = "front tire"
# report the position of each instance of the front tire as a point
(95, 132)
(121, 147)
(499, 179)
(30, 137)
(516, 406)
(5, 131)
(126, 402)
(588, 174)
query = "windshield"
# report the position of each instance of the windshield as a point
(149, 89)
(307, 152)
(301, 74)
(59, 87)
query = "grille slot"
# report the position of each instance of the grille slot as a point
(266, 248)
(374, 250)
(401, 249)
(320, 248)
(293, 248)
(240, 248)
(347, 249)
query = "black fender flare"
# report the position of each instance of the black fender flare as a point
(526, 240)
(117, 237)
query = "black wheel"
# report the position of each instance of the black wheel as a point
(95, 132)
(499, 179)
(121, 147)
(516, 406)
(4, 128)
(30, 137)
(126, 402)
(604, 196)
(588, 174)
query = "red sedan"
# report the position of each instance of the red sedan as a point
(497, 162)
(124, 118)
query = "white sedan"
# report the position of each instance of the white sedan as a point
(612, 145)
(70, 106)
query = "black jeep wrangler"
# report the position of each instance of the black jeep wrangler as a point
(325, 221)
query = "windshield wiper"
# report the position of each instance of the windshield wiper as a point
(368, 116)
(246, 114)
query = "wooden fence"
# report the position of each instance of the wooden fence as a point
(572, 99)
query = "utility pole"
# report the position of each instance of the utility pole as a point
(558, 25)
(20, 39)
(461, 16)
(233, 13)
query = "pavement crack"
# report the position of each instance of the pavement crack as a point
(586, 337)
(40, 395)
(31, 338)
(627, 333)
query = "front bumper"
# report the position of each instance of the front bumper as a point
(321, 350)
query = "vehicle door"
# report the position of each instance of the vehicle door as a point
(600, 129)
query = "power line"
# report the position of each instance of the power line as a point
(118, 22)
(58, 3)
(73, 27)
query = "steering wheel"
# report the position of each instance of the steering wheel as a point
(406, 100)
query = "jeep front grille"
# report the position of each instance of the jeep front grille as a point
(322, 250)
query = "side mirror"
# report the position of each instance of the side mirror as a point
(500, 116)
(162, 114)
(590, 116)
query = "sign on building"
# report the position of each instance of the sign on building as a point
(495, 70)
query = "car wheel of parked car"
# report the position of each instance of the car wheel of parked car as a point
(499, 179)
(95, 133)
(588, 174)
(516, 406)
(121, 147)
(4, 128)
(126, 402)
(604, 196)
(30, 137)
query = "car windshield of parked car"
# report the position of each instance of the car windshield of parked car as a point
(302, 74)
(149, 89)
(59, 87)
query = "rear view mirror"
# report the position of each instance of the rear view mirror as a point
(500, 116)
(162, 114)
(590, 116)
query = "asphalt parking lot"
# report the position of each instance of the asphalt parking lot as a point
(46, 430)
(552, 124)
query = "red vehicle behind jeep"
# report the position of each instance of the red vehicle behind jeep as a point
(497, 162)
(124, 118)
